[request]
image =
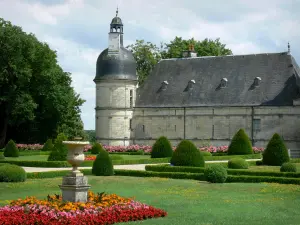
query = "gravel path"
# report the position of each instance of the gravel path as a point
(125, 167)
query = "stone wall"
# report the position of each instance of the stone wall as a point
(216, 125)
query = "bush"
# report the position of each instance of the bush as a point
(11, 149)
(240, 144)
(96, 148)
(162, 148)
(276, 152)
(237, 163)
(60, 150)
(48, 146)
(12, 173)
(103, 165)
(204, 153)
(187, 154)
(215, 174)
(288, 167)
(2, 157)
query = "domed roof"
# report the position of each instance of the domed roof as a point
(121, 66)
(116, 20)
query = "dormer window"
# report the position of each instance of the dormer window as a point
(257, 81)
(190, 85)
(164, 85)
(224, 82)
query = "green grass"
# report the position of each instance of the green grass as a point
(186, 201)
(270, 168)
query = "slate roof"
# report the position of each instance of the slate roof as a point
(279, 75)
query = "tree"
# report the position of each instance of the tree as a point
(147, 55)
(206, 47)
(36, 97)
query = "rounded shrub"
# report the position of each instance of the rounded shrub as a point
(288, 167)
(11, 149)
(102, 165)
(205, 153)
(276, 152)
(12, 173)
(2, 157)
(96, 148)
(240, 144)
(238, 163)
(187, 154)
(215, 174)
(162, 148)
(48, 146)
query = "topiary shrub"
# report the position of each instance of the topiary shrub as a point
(48, 146)
(215, 173)
(2, 157)
(187, 154)
(96, 148)
(11, 149)
(12, 173)
(238, 163)
(276, 152)
(102, 165)
(60, 150)
(288, 167)
(240, 144)
(205, 153)
(162, 148)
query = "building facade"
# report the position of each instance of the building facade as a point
(203, 99)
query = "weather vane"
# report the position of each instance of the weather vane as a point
(117, 11)
(289, 47)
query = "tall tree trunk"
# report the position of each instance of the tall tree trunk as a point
(3, 125)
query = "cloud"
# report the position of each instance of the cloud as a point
(78, 29)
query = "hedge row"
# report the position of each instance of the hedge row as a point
(236, 172)
(32, 152)
(172, 175)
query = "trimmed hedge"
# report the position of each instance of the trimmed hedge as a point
(187, 154)
(54, 164)
(260, 179)
(276, 152)
(2, 157)
(162, 148)
(215, 174)
(204, 153)
(103, 165)
(240, 144)
(288, 167)
(48, 146)
(11, 149)
(12, 173)
(238, 163)
(33, 152)
(96, 148)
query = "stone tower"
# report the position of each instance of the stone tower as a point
(116, 83)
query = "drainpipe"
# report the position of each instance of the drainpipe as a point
(252, 128)
(184, 123)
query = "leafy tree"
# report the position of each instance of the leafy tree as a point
(147, 55)
(206, 47)
(36, 97)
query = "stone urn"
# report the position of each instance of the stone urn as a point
(75, 155)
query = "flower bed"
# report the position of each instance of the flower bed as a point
(90, 157)
(135, 148)
(100, 209)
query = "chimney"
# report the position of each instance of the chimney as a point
(190, 53)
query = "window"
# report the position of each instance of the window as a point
(130, 124)
(131, 99)
(224, 82)
(256, 124)
(143, 128)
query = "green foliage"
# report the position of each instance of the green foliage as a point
(96, 148)
(11, 149)
(60, 150)
(12, 173)
(260, 179)
(187, 154)
(215, 174)
(288, 167)
(205, 153)
(240, 144)
(206, 47)
(103, 165)
(2, 157)
(48, 146)
(238, 163)
(276, 152)
(51, 164)
(162, 148)
(36, 96)
(146, 55)
(90, 135)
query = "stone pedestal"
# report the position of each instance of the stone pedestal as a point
(74, 188)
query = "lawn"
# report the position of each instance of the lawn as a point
(187, 201)
(270, 168)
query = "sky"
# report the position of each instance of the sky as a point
(78, 29)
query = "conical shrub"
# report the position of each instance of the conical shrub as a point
(162, 148)
(11, 149)
(187, 154)
(103, 165)
(240, 144)
(48, 146)
(96, 148)
(60, 150)
(276, 152)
